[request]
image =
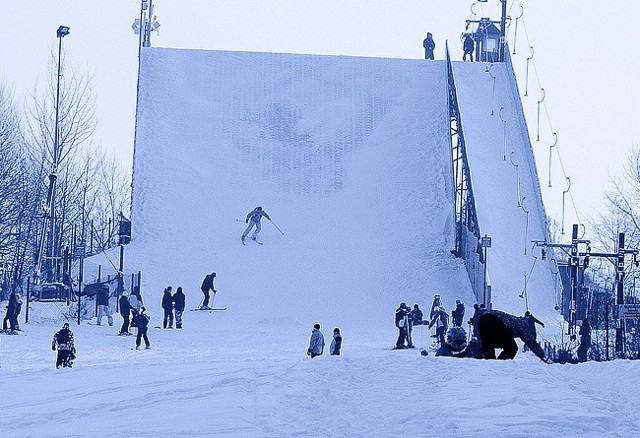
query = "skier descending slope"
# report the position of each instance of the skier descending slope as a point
(253, 219)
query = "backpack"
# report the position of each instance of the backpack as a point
(63, 337)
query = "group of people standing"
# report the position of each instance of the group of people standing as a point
(316, 343)
(170, 303)
(406, 318)
(468, 46)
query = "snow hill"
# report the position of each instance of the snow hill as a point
(349, 156)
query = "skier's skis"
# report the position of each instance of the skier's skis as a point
(210, 309)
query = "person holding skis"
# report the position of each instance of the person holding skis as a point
(316, 343)
(167, 306)
(336, 344)
(141, 321)
(63, 340)
(179, 303)
(125, 311)
(208, 285)
(254, 216)
(428, 45)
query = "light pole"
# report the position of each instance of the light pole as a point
(485, 242)
(49, 213)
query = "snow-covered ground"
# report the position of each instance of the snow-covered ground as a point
(351, 158)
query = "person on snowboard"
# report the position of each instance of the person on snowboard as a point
(255, 216)
(316, 343)
(207, 285)
(63, 340)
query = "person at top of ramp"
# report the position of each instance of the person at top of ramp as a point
(253, 219)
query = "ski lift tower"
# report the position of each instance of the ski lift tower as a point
(490, 40)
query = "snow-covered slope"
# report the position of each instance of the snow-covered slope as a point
(506, 186)
(349, 156)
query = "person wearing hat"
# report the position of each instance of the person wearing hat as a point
(125, 311)
(402, 323)
(255, 216)
(63, 340)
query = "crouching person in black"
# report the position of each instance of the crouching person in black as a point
(63, 340)
(141, 321)
(499, 329)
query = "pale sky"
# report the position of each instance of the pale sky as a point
(584, 53)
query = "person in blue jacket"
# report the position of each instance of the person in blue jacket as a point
(316, 343)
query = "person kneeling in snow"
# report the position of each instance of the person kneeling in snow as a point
(499, 329)
(63, 340)
(455, 344)
(316, 343)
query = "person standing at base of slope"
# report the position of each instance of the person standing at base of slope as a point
(499, 329)
(125, 311)
(206, 286)
(316, 343)
(11, 317)
(253, 219)
(402, 323)
(441, 320)
(457, 314)
(167, 306)
(336, 344)
(141, 321)
(104, 309)
(429, 45)
(135, 299)
(63, 340)
(179, 303)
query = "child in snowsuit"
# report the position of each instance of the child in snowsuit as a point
(167, 306)
(179, 303)
(336, 344)
(141, 320)
(255, 215)
(63, 340)
(316, 343)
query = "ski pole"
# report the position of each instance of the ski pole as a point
(278, 228)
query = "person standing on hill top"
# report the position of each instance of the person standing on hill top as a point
(254, 216)
(429, 45)
(468, 45)
(207, 285)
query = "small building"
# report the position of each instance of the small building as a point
(487, 38)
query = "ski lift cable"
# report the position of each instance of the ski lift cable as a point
(548, 117)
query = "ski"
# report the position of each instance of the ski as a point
(211, 309)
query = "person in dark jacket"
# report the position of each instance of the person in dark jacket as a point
(167, 306)
(102, 300)
(208, 285)
(455, 344)
(141, 321)
(417, 315)
(316, 343)
(585, 340)
(428, 45)
(179, 303)
(11, 317)
(402, 323)
(499, 329)
(457, 314)
(63, 340)
(336, 344)
(468, 45)
(125, 311)
(478, 310)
